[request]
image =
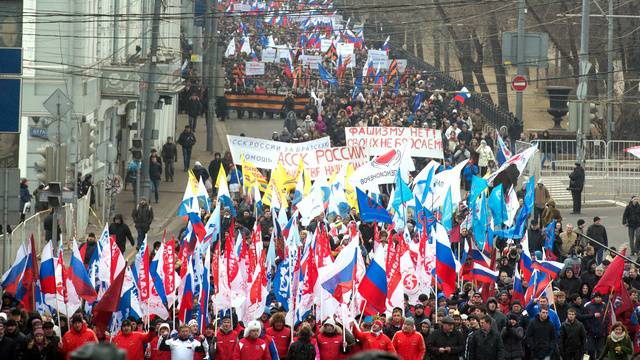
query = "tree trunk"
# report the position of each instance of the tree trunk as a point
(478, 64)
(436, 49)
(464, 55)
(498, 67)
(420, 45)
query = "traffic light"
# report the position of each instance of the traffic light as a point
(136, 149)
(46, 167)
(87, 140)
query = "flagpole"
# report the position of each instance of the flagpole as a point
(606, 308)
(435, 291)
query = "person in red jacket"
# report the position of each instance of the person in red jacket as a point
(409, 343)
(226, 340)
(251, 347)
(374, 339)
(156, 354)
(77, 336)
(280, 333)
(132, 342)
(330, 344)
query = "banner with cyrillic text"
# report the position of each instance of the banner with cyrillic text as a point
(323, 162)
(379, 140)
(264, 153)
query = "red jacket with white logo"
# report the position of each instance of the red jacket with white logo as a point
(409, 346)
(133, 343)
(371, 341)
(282, 338)
(226, 344)
(249, 349)
(75, 339)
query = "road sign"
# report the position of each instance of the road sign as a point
(58, 104)
(10, 100)
(10, 61)
(519, 83)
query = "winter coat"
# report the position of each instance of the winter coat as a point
(74, 339)
(156, 354)
(302, 349)
(249, 349)
(169, 152)
(7, 348)
(133, 343)
(569, 286)
(391, 329)
(282, 338)
(225, 344)
(48, 352)
(576, 179)
(541, 337)
(214, 169)
(613, 350)
(370, 341)
(512, 339)
(142, 216)
(595, 326)
(155, 170)
(181, 349)
(438, 339)
(330, 346)
(631, 216)
(541, 196)
(599, 233)
(187, 140)
(122, 233)
(409, 346)
(485, 346)
(484, 155)
(572, 337)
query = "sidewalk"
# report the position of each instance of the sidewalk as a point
(171, 192)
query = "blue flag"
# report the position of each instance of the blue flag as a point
(282, 283)
(418, 100)
(479, 223)
(447, 211)
(370, 210)
(324, 75)
(498, 206)
(550, 235)
(357, 87)
(478, 185)
(423, 216)
(530, 195)
(402, 193)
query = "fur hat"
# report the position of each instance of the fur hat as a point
(253, 325)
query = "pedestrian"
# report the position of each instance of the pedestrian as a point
(618, 345)
(162, 329)
(78, 335)
(169, 154)
(302, 348)
(485, 154)
(155, 175)
(280, 333)
(395, 323)
(13, 331)
(7, 345)
(541, 336)
(88, 248)
(121, 232)
(568, 238)
(576, 184)
(133, 342)
(251, 346)
(226, 339)
(486, 343)
(512, 336)
(214, 166)
(25, 199)
(194, 109)
(330, 343)
(187, 139)
(142, 216)
(374, 339)
(540, 198)
(182, 347)
(39, 347)
(408, 342)
(598, 233)
(631, 219)
(200, 172)
(446, 343)
(573, 336)
(595, 324)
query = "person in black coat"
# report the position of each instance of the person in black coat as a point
(88, 248)
(446, 343)
(7, 344)
(534, 234)
(576, 184)
(169, 154)
(121, 232)
(214, 166)
(302, 348)
(512, 336)
(631, 219)
(598, 232)
(541, 335)
(155, 175)
(486, 343)
(572, 337)
(48, 227)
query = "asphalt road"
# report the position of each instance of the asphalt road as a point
(611, 218)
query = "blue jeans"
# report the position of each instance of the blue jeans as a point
(141, 234)
(186, 156)
(193, 121)
(548, 156)
(155, 185)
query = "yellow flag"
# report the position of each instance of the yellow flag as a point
(349, 191)
(221, 175)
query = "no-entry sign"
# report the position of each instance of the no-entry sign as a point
(519, 83)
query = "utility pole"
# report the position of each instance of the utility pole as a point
(522, 11)
(610, 71)
(583, 83)
(211, 70)
(151, 98)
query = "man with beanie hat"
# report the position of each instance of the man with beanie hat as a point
(374, 339)
(132, 342)
(512, 336)
(500, 318)
(226, 339)
(252, 347)
(330, 344)
(408, 342)
(77, 336)
(13, 332)
(183, 347)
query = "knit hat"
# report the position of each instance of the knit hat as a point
(38, 331)
(330, 321)
(192, 322)
(164, 325)
(379, 323)
(253, 325)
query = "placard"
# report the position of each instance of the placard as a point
(311, 60)
(379, 140)
(325, 44)
(264, 153)
(242, 7)
(323, 162)
(344, 49)
(268, 55)
(254, 68)
(378, 58)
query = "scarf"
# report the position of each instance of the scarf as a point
(616, 338)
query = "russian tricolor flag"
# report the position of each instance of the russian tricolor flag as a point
(186, 301)
(446, 266)
(551, 268)
(518, 291)
(462, 95)
(373, 286)
(47, 270)
(484, 274)
(79, 276)
(503, 153)
(342, 276)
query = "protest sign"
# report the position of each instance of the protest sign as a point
(344, 49)
(264, 153)
(311, 60)
(323, 162)
(402, 65)
(241, 7)
(254, 68)
(378, 58)
(268, 55)
(379, 140)
(325, 44)
(381, 170)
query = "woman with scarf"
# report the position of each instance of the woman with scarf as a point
(618, 345)
(40, 348)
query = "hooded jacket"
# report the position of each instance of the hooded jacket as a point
(409, 345)
(74, 339)
(251, 349)
(225, 344)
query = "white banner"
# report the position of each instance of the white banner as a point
(325, 44)
(402, 65)
(323, 162)
(264, 153)
(379, 58)
(311, 60)
(254, 68)
(381, 170)
(344, 49)
(379, 140)
(242, 7)
(268, 55)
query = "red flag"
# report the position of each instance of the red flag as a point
(168, 255)
(611, 280)
(109, 303)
